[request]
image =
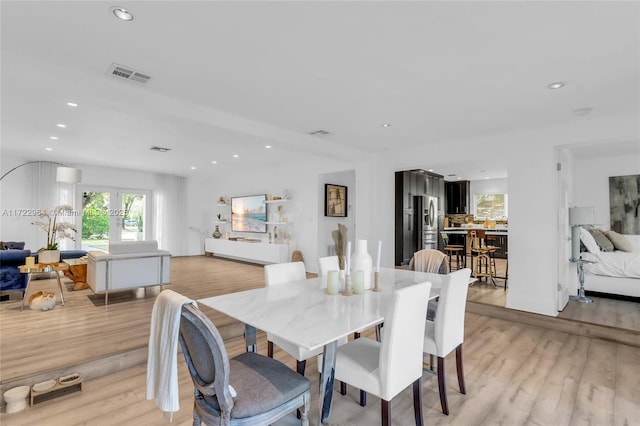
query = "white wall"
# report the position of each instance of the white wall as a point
(591, 182)
(303, 212)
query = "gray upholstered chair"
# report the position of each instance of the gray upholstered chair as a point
(265, 389)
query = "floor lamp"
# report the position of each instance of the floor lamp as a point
(579, 216)
(64, 174)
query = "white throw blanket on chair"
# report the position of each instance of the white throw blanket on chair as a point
(162, 361)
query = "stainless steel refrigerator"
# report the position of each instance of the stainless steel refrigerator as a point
(427, 222)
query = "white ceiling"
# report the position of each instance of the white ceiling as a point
(231, 77)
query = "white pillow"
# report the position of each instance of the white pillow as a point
(588, 241)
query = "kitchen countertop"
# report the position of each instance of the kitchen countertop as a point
(463, 230)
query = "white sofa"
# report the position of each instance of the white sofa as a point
(127, 265)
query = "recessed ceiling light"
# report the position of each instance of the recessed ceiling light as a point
(53, 138)
(487, 177)
(193, 167)
(235, 156)
(268, 146)
(49, 149)
(214, 162)
(61, 125)
(582, 111)
(459, 177)
(429, 170)
(386, 125)
(122, 14)
(556, 85)
(72, 104)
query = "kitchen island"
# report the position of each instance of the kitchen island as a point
(498, 237)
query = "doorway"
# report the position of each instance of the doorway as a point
(113, 214)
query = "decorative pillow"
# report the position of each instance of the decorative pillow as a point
(619, 241)
(588, 241)
(603, 242)
(13, 245)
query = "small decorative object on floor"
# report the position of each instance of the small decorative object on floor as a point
(216, 232)
(42, 301)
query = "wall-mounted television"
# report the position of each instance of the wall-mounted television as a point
(249, 213)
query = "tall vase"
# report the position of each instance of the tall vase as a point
(361, 260)
(216, 233)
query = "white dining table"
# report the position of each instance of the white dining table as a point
(303, 313)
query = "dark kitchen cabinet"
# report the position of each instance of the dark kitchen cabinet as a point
(458, 197)
(412, 187)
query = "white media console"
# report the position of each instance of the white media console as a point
(257, 252)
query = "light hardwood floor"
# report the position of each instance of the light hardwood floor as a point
(516, 374)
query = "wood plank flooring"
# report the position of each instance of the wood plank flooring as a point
(516, 374)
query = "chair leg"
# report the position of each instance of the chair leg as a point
(386, 412)
(300, 366)
(460, 370)
(343, 388)
(442, 386)
(417, 402)
(356, 335)
(270, 349)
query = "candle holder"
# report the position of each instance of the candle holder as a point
(376, 282)
(347, 286)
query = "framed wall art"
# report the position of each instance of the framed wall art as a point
(624, 204)
(335, 200)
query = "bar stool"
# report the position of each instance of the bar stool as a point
(453, 250)
(481, 256)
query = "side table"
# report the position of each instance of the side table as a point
(40, 268)
(581, 297)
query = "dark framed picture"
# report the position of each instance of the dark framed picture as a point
(335, 200)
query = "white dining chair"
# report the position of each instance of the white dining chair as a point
(386, 368)
(446, 332)
(326, 264)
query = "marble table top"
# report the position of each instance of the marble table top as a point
(303, 313)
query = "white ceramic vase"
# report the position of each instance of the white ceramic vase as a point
(361, 260)
(49, 256)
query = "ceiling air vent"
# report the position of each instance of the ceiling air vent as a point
(319, 133)
(128, 73)
(159, 149)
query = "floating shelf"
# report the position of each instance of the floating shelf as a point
(286, 200)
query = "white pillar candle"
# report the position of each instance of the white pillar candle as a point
(357, 282)
(333, 282)
(378, 258)
(347, 266)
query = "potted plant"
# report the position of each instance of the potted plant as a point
(56, 230)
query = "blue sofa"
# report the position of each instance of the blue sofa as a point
(10, 276)
(10, 260)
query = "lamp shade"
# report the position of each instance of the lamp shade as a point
(581, 216)
(68, 175)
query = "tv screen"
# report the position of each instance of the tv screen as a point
(249, 213)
